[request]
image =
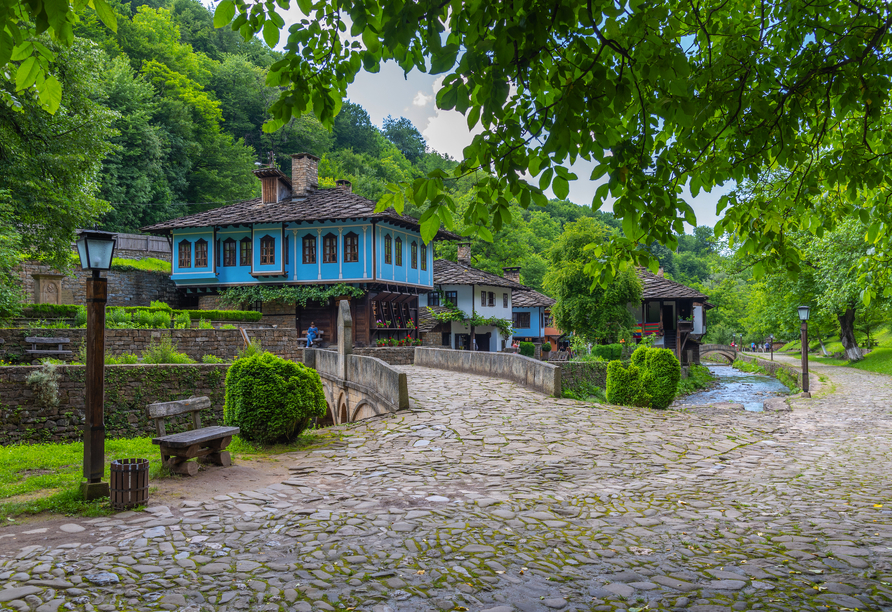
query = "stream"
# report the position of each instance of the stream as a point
(737, 387)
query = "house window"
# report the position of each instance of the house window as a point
(414, 249)
(504, 300)
(287, 249)
(388, 250)
(229, 252)
(201, 254)
(330, 249)
(267, 251)
(492, 299)
(521, 320)
(433, 298)
(424, 257)
(185, 254)
(483, 298)
(245, 255)
(399, 251)
(309, 249)
(451, 297)
(351, 248)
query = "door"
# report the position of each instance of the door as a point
(483, 341)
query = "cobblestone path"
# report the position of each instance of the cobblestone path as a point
(486, 496)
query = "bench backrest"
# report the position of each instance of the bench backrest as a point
(162, 410)
(35, 340)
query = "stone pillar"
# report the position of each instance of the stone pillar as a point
(345, 337)
(464, 253)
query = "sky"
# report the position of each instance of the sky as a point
(413, 96)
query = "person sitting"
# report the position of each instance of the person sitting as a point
(312, 334)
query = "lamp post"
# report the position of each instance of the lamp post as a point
(771, 345)
(803, 316)
(96, 250)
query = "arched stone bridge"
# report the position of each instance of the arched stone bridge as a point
(726, 351)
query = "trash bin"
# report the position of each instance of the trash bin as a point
(129, 486)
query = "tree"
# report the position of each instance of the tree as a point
(353, 129)
(50, 164)
(406, 137)
(594, 313)
(662, 96)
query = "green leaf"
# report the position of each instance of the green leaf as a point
(224, 13)
(271, 34)
(106, 14)
(484, 233)
(561, 187)
(51, 94)
(27, 73)
(305, 6)
(429, 228)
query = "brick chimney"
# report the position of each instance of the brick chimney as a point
(345, 185)
(512, 273)
(660, 272)
(304, 174)
(464, 253)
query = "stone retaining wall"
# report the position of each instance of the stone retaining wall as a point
(128, 389)
(531, 373)
(223, 343)
(771, 367)
(579, 374)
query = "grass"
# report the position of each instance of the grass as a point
(699, 377)
(587, 392)
(36, 478)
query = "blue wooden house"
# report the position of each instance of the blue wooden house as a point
(298, 234)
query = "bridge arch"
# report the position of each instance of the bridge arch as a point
(723, 350)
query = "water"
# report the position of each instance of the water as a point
(737, 387)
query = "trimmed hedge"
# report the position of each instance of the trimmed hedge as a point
(272, 399)
(651, 380)
(527, 349)
(62, 311)
(609, 352)
(70, 311)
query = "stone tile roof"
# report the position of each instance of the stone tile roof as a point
(655, 287)
(451, 273)
(530, 298)
(427, 323)
(320, 205)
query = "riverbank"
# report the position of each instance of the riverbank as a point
(734, 388)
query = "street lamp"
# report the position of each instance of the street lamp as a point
(96, 250)
(803, 316)
(771, 345)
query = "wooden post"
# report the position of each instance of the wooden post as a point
(94, 422)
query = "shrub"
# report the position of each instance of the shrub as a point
(224, 315)
(212, 359)
(546, 348)
(205, 324)
(250, 350)
(183, 320)
(122, 359)
(114, 317)
(609, 352)
(159, 305)
(527, 349)
(651, 380)
(80, 317)
(228, 326)
(50, 310)
(271, 399)
(662, 372)
(164, 351)
(45, 383)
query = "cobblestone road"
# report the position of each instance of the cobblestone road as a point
(486, 496)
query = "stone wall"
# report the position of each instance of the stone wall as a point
(223, 343)
(576, 375)
(771, 367)
(531, 373)
(128, 389)
(125, 288)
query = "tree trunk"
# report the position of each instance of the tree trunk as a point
(823, 348)
(847, 335)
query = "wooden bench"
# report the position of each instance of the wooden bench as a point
(318, 339)
(59, 342)
(204, 443)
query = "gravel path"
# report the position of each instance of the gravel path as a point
(486, 496)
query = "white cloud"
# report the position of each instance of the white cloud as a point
(447, 131)
(421, 99)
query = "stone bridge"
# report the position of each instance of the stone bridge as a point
(726, 351)
(356, 387)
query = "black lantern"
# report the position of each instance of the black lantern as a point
(803, 312)
(96, 249)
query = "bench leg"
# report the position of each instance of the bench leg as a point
(218, 456)
(178, 464)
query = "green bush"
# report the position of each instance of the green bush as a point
(662, 371)
(546, 348)
(122, 359)
(212, 359)
(527, 349)
(228, 326)
(224, 315)
(159, 305)
(271, 399)
(183, 320)
(252, 349)
(609, 352)
(205, 324)
(50, 310)
(651, 380)
(164, 351)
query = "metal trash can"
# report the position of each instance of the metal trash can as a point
(129, 486)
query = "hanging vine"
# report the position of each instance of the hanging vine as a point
(505, 327)
(237, 296)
